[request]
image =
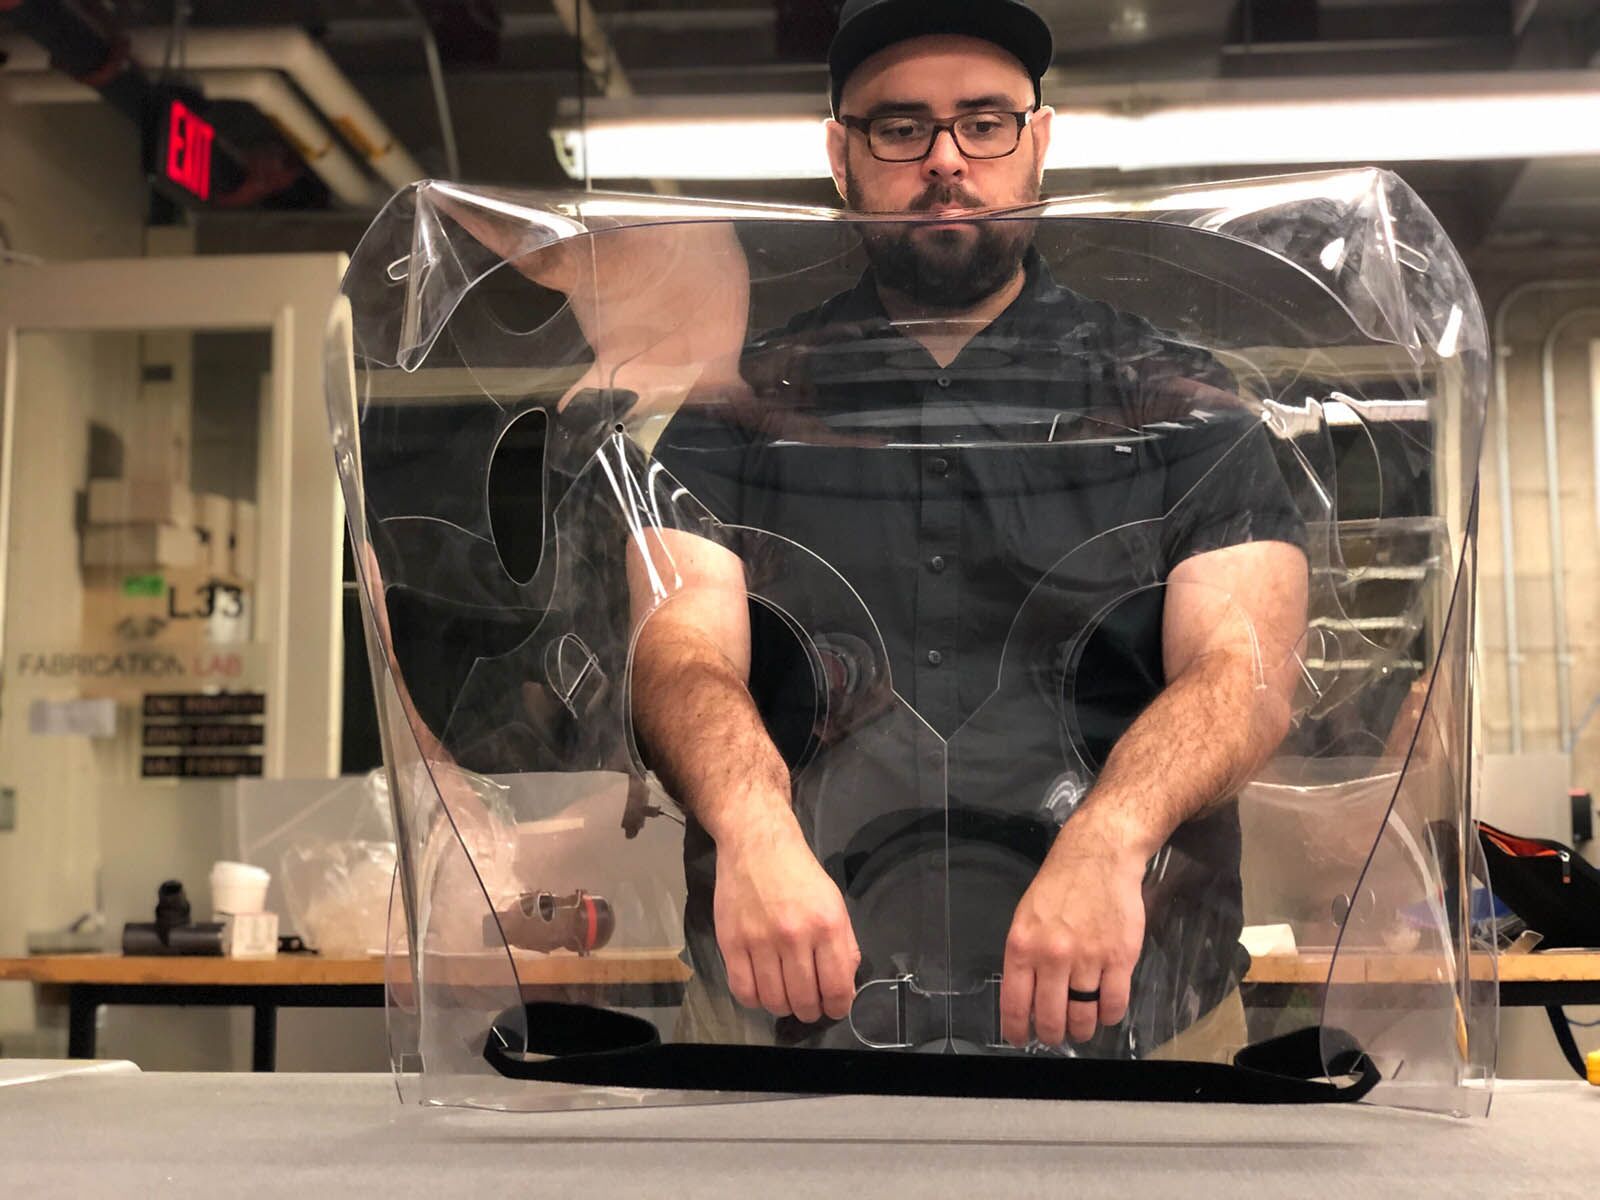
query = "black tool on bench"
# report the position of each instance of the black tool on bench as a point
(172, 932)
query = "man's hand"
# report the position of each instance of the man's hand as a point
(781, 923)
(782, 926)
(1078, 927)
(1232, 622)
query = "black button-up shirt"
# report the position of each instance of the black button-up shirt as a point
(944, 495)
(1008, 520)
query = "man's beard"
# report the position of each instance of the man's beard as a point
(944, 269)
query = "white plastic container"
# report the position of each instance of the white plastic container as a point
(238, 888)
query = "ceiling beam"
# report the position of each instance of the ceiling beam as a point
(1280, 22)
(601, 61)
(580, 20)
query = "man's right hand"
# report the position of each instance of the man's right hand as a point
(781, 923)
(782, 926)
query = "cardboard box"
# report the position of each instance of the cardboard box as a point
(242, 559)
(250, 935)
(139, 501)
(156, 440)
(148, 606)
(214, 523)
(140, 546)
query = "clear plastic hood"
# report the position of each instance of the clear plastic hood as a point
(972, 628)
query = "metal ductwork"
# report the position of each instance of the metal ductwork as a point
(91, 59)
(266, 91)
(73, 42)
(308, 67)
(274, 70)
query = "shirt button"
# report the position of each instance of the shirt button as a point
(943, 381)
(934, 658)
(940, 466)
(936, 563)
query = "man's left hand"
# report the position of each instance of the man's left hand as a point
(1078, 928)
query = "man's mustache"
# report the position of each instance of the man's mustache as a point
(944, 196)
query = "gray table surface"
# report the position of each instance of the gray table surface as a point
(347, 1135)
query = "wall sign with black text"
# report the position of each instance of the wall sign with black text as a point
(191, 723)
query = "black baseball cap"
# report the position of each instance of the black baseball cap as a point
(867, 26)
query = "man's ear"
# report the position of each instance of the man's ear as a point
(838, 151)
(1042, 124)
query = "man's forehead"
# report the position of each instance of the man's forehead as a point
(938, 71)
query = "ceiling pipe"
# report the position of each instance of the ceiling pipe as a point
(441, 98)
(272, 96)
(578, 18)
(1558, 558)
(1508, 542)
(267, 92)
(525, 26)
(62, 37)
(600, 60)
(308, 66)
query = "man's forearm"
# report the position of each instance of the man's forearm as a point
(701, 733)
(1199, 740)
(782, 927)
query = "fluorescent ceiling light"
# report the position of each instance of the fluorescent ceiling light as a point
(1509, 115)
(689, 148)
(1401, 129)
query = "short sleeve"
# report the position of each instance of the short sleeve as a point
(1224, 486)
(707, 451)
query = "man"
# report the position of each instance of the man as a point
(954, 550)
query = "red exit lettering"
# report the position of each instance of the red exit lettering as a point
(229, 666)
(189, 140)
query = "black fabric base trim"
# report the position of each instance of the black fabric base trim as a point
(577, 1044)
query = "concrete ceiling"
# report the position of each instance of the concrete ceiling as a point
(510, 63)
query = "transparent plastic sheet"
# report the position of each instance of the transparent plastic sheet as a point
(330, 849)
(1412, 979)
(337, 880)
(517, 384)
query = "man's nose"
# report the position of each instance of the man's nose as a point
(944, 158)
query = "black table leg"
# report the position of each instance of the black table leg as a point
(83, 1009)
(264, 1048)
(1562, 1028)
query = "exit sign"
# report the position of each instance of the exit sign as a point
(185, 154)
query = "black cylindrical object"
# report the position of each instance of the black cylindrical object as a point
(172, 933)
(144, 938)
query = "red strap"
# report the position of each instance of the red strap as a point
(594, 921)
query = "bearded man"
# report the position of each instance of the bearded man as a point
(944, 435)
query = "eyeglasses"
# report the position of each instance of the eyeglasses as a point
(910, 138)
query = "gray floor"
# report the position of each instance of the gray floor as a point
(316, 1135)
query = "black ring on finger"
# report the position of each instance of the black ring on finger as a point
(1083, 997)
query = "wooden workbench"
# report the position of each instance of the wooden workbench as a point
(642, 978)
(1525, 979)
(636, 978)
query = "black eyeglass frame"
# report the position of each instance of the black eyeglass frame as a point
(863, 125)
